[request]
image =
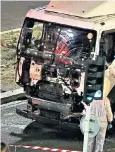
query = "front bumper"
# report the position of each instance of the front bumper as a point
(32, 116)
(50, 105)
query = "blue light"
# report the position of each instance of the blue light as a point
(89, 98)
(98, 94)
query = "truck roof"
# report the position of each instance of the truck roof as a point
(85, 9)
(43, 15)
(83, 14)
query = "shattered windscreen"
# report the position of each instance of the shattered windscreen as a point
(53, 58)
(71, 43)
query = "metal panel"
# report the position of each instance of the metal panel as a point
(77, 8)
(50, 105)
(41, 15)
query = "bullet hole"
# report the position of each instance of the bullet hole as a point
(33, 63)
(83, 11)
(102, 23)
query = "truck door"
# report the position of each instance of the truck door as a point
(109, 49)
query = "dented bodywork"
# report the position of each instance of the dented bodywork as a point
(53, 54)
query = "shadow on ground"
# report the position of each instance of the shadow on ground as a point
(38, 131)
(45, 135)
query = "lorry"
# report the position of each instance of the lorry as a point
(63, 51)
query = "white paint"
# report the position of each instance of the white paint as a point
(54, 149)
(14, 126)
(26, 146)
(12, 92)
(45, 148)
(8, 31)
(16, 30)
(64, 151)
(35, 147)
(8, 114)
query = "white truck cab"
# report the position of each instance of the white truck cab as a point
(57, 44)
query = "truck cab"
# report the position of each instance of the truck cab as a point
(56, 48)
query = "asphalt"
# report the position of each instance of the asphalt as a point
(18, 130)
(13, 12)
(21, 131)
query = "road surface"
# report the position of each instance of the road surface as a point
(21, 131)
(13, 12)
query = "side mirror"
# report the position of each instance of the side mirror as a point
(26, 36)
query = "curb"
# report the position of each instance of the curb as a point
(16, 30)
(12, 95)
(8, 31)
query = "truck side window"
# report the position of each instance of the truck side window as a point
(109, 45)
(37, 30)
